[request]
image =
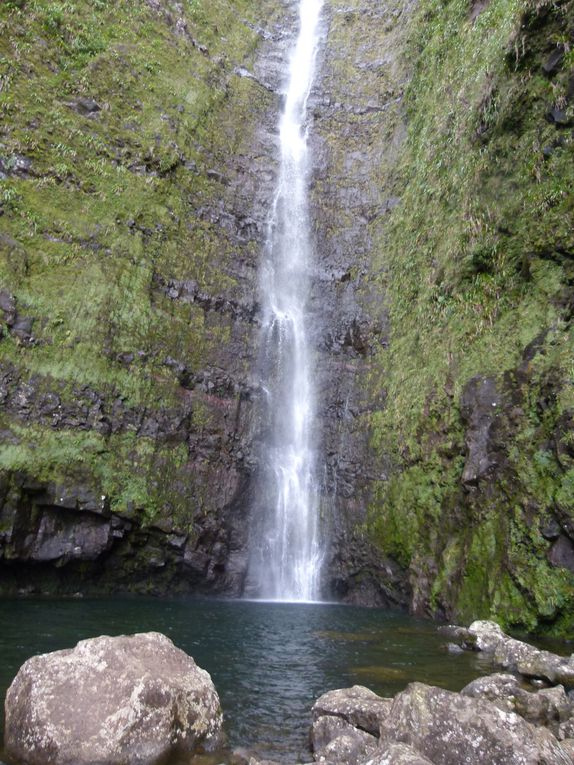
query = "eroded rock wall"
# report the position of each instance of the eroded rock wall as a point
(476, 266)
(138, 153)
(358, 130)
(137, 164)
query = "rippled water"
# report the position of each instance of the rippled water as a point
(269, 661)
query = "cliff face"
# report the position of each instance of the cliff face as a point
(358, 132)
(137, 153)
(477, 266)
(138, 157)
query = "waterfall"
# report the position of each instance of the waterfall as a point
(285, 552)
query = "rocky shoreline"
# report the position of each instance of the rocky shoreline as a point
(139, 699)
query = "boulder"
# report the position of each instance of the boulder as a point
(500, 689)
(346, 750)
(111, 700)
(336, 740)
(358, 706)
(398, 754)
(549, 707)
(521, 657)
(512, 654)
(449, 729)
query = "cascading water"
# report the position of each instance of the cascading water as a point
(285, 553)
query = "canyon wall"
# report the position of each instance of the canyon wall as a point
(138, 154)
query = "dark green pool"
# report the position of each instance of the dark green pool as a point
(269, 661)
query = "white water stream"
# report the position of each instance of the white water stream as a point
(285, 551)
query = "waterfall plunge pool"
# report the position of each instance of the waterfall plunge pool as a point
(269, 661)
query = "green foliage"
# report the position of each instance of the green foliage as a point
(134, 473)
(476, 263)
(110, 211)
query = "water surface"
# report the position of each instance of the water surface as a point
(269, 661)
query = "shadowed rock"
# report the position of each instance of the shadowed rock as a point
(133, 699)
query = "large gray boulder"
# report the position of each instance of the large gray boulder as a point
(449, 729)
(111, 700)
(346, 725)
(358, 706)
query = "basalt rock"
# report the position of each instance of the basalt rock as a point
(335, 741)
(356, 126)
(398, 754)
(549, 707)
(357, 706)
(515, 655)
(448, 729)
(346, 725)
(480, 405)
(66, 538)
(136, 699)
(493, 720)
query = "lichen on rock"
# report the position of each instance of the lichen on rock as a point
(134, 699)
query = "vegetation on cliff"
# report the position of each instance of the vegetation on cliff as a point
(133, 152)
(128, 180)
(117, 124)
(478, 271)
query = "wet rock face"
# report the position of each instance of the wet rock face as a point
(480, 405)
(66, 539)
(355, 137)
(131, 699)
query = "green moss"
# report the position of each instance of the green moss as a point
(112, 208)
(134, 474)
(110, 202)
(476, 265)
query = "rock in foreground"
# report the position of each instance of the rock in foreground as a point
(111, 700)
(424, 725)
(449, 729)
(358, 706)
